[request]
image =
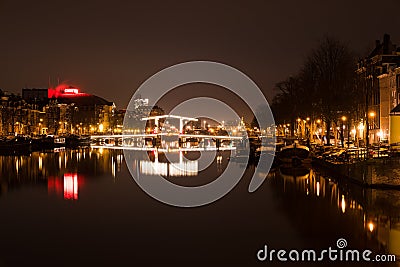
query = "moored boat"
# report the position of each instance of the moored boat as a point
(15, 143)
(294, 153)
(74, 140)
(47, 142)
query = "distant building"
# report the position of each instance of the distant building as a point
(79, 112)
(141, 109)
(32, 95)
(61, 110)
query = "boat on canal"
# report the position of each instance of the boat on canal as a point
(14, 144)
(47, 142)
(73, 140)
(294, 153)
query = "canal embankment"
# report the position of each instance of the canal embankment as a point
(379, 173)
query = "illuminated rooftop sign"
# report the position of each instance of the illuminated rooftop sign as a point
(64, 90)
(71, 91)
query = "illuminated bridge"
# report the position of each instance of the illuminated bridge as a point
(167, 141)
(175, 140)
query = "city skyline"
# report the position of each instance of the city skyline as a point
(106, 49)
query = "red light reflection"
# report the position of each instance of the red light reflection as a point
(54, 185)
(71, 186)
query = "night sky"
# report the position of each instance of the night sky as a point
(109, 48)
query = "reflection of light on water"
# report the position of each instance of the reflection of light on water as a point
(71, 186)
(17, 165)
(343, 204)
(186, 168)
(40, 163)
(151, 168)
(318, 189)
(112, 167)
(59, 161)
(371, 227)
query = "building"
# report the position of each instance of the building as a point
(141, 109)
(374, 73)
(59, 110)
(71, 111)
(389, 90)
(34, 94)
(394, 137)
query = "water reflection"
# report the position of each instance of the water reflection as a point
(322, 209)
(181, 167)
(63, 171)
(370, 216)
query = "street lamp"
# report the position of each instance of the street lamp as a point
(371, 115)
(298, 127)
(344, 118)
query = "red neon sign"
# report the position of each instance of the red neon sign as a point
(64, 90)
(71, 91)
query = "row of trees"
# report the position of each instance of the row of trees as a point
(325, 87)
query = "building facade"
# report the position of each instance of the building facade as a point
(66, 111)
(376, 73)
(389, 87)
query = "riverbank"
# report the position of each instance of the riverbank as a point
(379, 173)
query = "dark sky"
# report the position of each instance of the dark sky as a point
(110, 48)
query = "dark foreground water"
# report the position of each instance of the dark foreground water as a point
(82, 208)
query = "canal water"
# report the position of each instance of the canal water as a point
(82, 208)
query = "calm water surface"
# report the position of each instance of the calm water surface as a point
(82, 207)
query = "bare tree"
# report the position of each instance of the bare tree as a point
(289, 101)
(329, 77)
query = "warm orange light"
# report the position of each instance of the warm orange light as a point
(371, 227)
(343, 204)
(372, 114)
(318, 121)
(307, 118)
(344, 118)
(299, 120)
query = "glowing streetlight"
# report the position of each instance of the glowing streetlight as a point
(372, 114)
(344, 118)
